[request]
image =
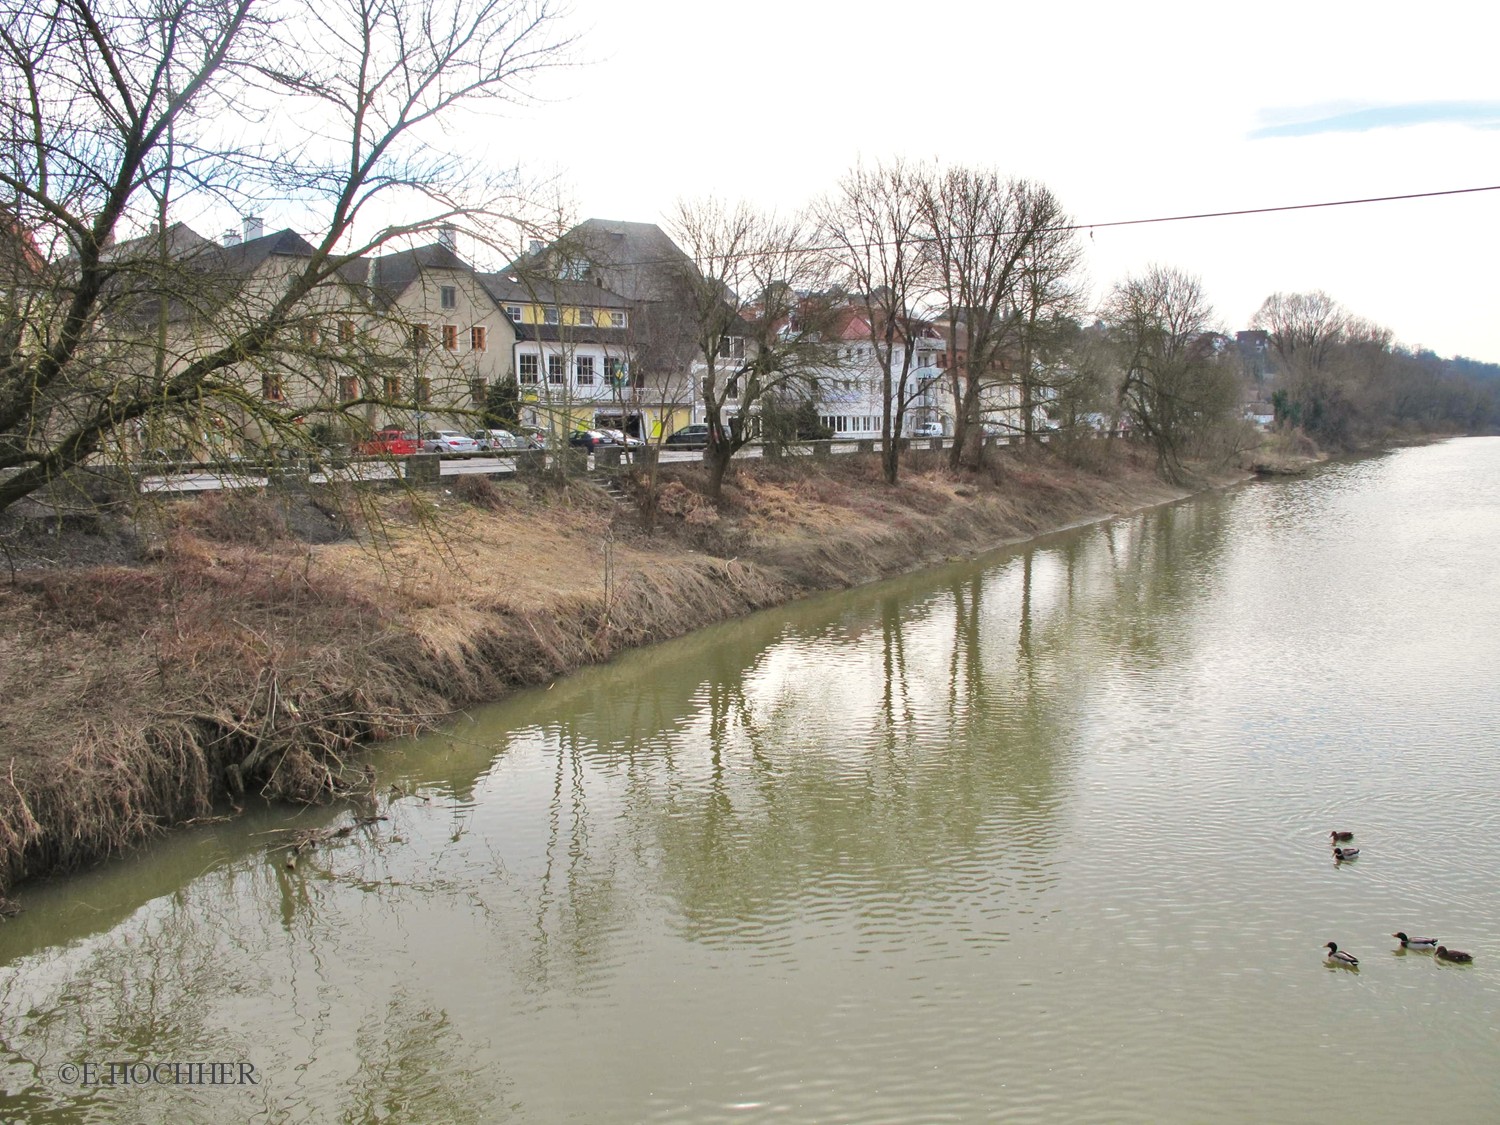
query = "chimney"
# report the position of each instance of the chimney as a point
(231, 237)
(254, 228)
(448, 237)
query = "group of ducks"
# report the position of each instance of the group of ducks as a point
(1337, 956)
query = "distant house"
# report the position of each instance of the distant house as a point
(440, 339)
(409, 338)
(850, 397)
(602, 337)
(572, 354)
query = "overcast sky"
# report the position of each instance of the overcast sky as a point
(1125, 111)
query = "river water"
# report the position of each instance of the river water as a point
(1042, 837)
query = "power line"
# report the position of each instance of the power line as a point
(868, 245)
(1271, 210)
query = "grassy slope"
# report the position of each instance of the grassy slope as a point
(237, 655)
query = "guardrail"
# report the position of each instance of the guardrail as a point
(428, 468)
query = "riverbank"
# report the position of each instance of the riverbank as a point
(224, 647)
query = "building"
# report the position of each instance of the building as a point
(850, 397)
(600, 311)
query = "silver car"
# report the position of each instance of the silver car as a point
(448, 442)
(491, 440)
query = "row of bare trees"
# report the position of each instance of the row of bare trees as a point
(1344, 380)
(991, 263)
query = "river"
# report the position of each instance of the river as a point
(1039, 837)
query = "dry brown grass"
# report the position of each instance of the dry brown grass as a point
(243, 658)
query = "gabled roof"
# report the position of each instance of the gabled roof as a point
(631, 259)
(390, 275)
(513, 289)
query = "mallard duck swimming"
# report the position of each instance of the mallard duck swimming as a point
(1414, 942)
(1337, 956)
(1339, 837)
(1454, 955)
(1341, 854)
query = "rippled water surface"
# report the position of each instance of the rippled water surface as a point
(1040, 838)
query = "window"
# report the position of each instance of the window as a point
(270, 386)
(617, 320)
(393, 388)
(586, 318)
(574, 269)
(617, 371)
(476, 338)
(346, 332)
(583, 370)
(557, 371)
(514, 312)
(732, 347)
(448, 295)
(549, 315)
(530, 367)
(479, 390)
(348, 388)
(309, 331)
(450, 337)
(424, 390)
(732, 389)
(419, 337)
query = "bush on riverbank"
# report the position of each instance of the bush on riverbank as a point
(235, 653)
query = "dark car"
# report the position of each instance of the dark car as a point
(590, 439)
(690, 437)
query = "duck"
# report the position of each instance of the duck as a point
(1341, 854)
(1340, 837)
(1414, 942)
(1337, 956)
(1456, 956)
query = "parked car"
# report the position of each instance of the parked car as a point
(448, 441)
(390, 442)
(497, 439)
(590, 439)
(927, 429)
(690, 437)
(620, 437)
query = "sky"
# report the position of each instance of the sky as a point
(1126, 111)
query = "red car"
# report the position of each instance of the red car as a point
(391, 442)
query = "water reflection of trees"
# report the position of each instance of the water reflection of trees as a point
(891, 760)
(201, 976)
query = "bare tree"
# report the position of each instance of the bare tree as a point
(114, 115)
(872, 222)
(1303, 328)
(1171, 383)
(1049, 296)
(983, 236)
(753, 286)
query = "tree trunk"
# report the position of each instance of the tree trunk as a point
(718, 467)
